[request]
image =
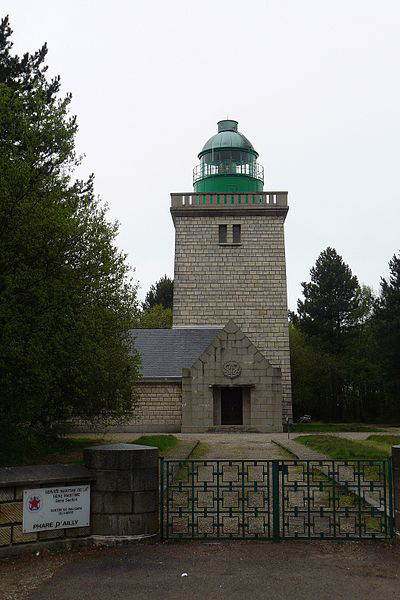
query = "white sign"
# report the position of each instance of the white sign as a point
(56, 508)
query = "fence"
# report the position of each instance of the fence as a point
(276, 499)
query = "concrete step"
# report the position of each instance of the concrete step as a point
(232, 429)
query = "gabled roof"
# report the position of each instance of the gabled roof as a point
(165, 352)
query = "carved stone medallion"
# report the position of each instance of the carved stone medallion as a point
(231, 369)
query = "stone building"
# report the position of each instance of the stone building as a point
(225, 363)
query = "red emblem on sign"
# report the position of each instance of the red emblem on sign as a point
(34, 503)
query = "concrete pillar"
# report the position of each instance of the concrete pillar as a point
(396, 486)
(124, 498)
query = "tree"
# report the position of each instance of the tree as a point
(161, 292)
(387, 330)
(331, 343)
(331, 302)
(66, 300)
(312, 371)
(334, 351)
(156, 317)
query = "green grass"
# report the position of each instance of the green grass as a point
(375, 446)
(337, 447)
(320, 427)
(384, 441)
(163, 442)
(29, 449)
(35, 450)
(200, 451)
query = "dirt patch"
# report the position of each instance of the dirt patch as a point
(20, 576)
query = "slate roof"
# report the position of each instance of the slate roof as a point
(165, 352)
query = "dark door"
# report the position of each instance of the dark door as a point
(231, 406)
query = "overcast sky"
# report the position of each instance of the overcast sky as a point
(314, 84)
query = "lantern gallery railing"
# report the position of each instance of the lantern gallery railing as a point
(256, 199)
(251, 169)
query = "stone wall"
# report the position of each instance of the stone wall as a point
(158, 408)
(244, 282)
(124, 485)
(125, 490)
(13, 482)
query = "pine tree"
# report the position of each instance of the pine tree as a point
(162, 292)
(387, 329)
(333, 306)
(331, 302)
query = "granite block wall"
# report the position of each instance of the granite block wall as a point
(245, 282)
(231, 348)
(158, 407)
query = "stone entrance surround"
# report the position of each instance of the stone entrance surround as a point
(231, 360)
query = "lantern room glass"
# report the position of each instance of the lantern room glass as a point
(227, 162)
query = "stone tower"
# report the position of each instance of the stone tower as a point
(230, 250)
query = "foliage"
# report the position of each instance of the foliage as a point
(66, 301)
(387, 329)
(162, 292)
(335, 373)
(156, 317)
(331, 302)
(312, 373)
(157, 307)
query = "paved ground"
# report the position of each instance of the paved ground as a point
(233, 571)
(257, 437)
(221, 445)
(235, 445)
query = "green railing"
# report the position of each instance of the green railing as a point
(276, 499)
(251, 169)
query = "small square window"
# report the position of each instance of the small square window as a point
(223, 234)
(236, 234)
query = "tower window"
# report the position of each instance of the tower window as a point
(236, 234)
(223, 234)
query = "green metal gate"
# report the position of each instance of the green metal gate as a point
(276, 499)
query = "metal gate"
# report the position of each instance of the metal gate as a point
(276, 499)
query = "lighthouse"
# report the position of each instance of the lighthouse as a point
(226, 357)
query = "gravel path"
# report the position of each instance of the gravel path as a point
(224, 447)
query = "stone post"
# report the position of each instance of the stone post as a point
(396, 486)
(125, 492)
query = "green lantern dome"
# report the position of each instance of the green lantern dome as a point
(228, 163)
